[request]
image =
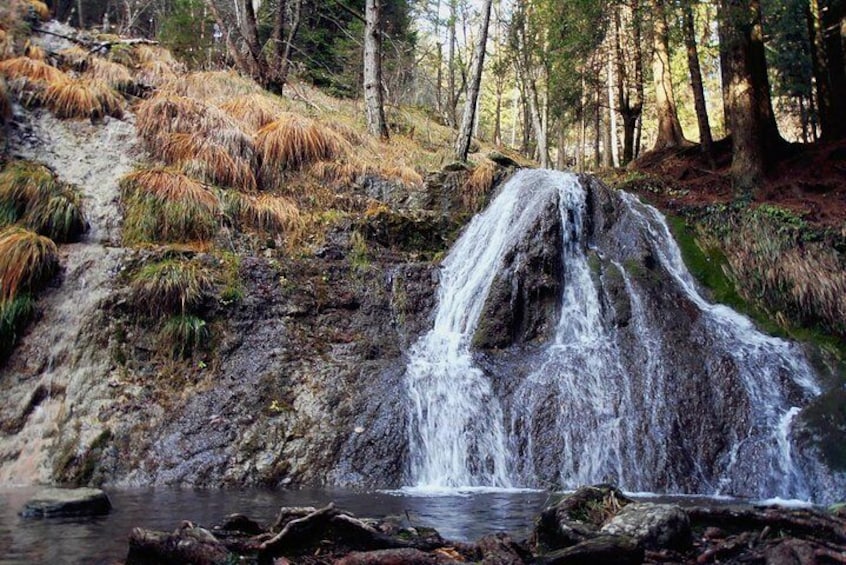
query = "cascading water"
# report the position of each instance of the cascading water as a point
(643, 382)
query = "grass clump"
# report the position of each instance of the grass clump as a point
(185, 333)
(210, 160)
(292, 142)
(165, 205)
(74, 58)
(113, 74)
(15, 314)
(40, 9)
(31, 195)
(27, 262)
(254, 111)
(478, 185)
(270, 214)
(82, 98)
(30, 69)
(170, 287)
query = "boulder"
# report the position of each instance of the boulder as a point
(188, 544)
(577, 517)
(389, 557)
(59, 502)
(654, 526)
(502, 160)
(620, 550)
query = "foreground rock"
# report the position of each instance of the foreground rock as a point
(593, 526)
(58, 502)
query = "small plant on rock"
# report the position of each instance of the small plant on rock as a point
(184, 333)
(170, 287)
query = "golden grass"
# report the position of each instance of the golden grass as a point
(27, 261)
(29, 193)
(34, 51)
(339, 173)
(40, 8)
(292, 142)
(211, 86)
(478, 185)
(83, 98)
(155, 73)
(24, 67)
(74, 57)
(166, 114)
(205, 158)
(153, 53)
(170, 287)
(114, 74)
(166, 205)
(270, 214)
(254, 111)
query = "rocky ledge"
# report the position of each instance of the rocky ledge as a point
(594, 525)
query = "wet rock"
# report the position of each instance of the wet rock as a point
(499, 549)
(619, 550)
(653, 526)
(58, 502)
(524, 298)
(502, 160)
(188, 544)
(390, 557)
(577, 517)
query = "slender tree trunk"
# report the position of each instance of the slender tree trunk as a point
(452, 95)
(250, 33)
(462, 146)
(669, 129)
(612, 115)
(629, 97)
(497, 136)
(537, 123)
(375, 109)
(580, 146)
(705, 139)
(597, 138)
(240, 61)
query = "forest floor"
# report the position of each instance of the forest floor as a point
(808, 180)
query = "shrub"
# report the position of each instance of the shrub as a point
(184, 333)
(82, 98)
(170, 287)
(165, 205)
(27, 262)
(21, 182)
(291, 142)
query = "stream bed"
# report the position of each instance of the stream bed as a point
(102, 540)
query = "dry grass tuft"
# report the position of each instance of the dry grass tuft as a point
(34, 52)
(292, 142)
(29, 193)
(253, 110)
(31, 69)
(40, 8)
(478, 185)
(341, 173)
(83, 98)
(270, 214)
(27, 261)
(170, 287)
(402, 174)
(211, 86)
(153, 53)
(165, 205)
(114, 74)
(206, 159)
(166, 114)
(155, 73)
(74, 57)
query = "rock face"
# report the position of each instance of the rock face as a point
(62, 503)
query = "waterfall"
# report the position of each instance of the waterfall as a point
(642, 381)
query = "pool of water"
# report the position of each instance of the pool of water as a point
(101, 540)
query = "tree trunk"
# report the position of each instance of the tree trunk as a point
(755, 138)
(537, 123)
(462, 146)
(597, 138)
(669, 129)
(375, 110)
(612, 116)
(629, 97)
(829, 75)
(705, 139)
